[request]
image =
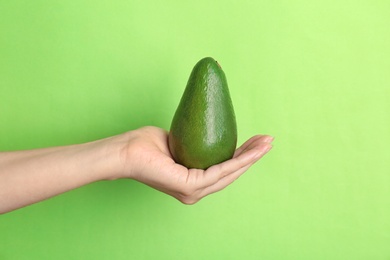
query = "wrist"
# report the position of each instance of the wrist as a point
(112, 156)
(102, 158)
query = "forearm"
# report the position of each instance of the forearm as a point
(30, 176)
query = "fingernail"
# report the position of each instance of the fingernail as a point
(268, 139)
(263, 151)
(267, 148)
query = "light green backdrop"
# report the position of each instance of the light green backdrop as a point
(314, 74)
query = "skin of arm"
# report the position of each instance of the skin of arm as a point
(30, 176)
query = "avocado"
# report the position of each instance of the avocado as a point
(203, 130)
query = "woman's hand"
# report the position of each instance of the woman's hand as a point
(146, 158)
(30, 176)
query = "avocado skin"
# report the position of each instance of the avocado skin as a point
(203, 130)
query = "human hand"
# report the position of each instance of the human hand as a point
(146, 158)
(29, 176)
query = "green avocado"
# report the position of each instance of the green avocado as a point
(203, 130)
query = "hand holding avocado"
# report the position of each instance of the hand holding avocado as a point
(197, 158)
(148, 160)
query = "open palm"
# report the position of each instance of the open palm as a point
(147, 159)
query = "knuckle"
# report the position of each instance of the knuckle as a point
(188, 197)
(188, 190)
(189, 200)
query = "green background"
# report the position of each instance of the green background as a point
(314, 74)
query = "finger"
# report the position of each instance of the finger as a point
(253, 152)
(243, 147)
(230, 178)
(224, 182)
